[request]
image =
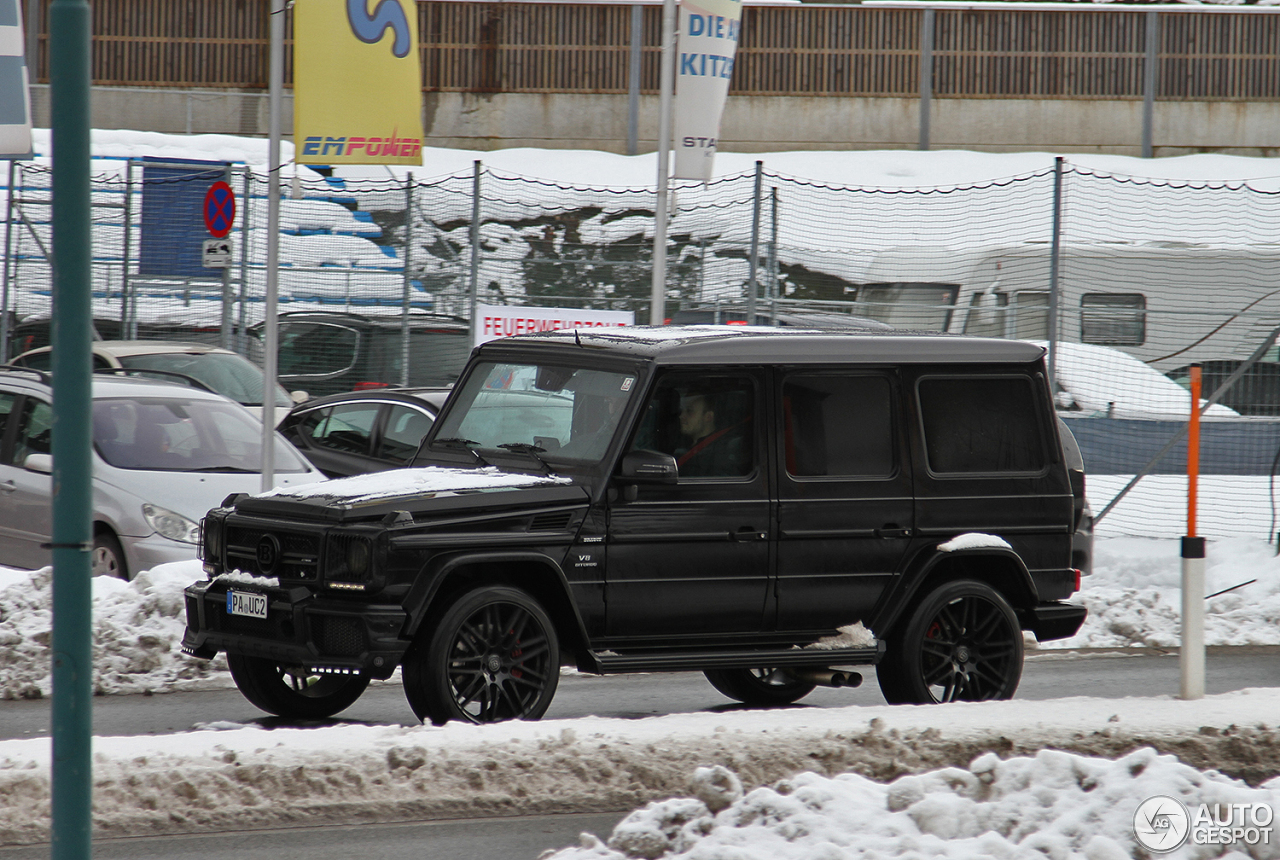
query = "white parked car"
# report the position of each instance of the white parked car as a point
(164, 455)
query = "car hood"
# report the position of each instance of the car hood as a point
(414, 489)
(191, 494)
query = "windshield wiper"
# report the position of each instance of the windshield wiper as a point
(532, 450)
(227, 468)
(460, 442)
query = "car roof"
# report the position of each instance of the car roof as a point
(143, 347)
(107, 386)
(729, 344)
(431, 396)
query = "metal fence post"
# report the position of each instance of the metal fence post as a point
(1054, 250)
(926, 76)
(408, 258)
(633, 80)
(1149, 72)
(125, 333)
(8, 256)
(752, 286)
(775, 289)
(475, 248)
(242, 330)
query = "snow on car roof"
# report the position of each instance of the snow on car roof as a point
(396, 483)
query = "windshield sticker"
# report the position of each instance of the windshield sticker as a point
(626, 383)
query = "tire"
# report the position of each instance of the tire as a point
(761, 687)
(493, 655)
(291, 691)
(107, 558)
(961, 643)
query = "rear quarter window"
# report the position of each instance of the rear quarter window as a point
(982, 425)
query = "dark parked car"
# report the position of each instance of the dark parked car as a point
(770, 508)
(363, 431)
(327, 352)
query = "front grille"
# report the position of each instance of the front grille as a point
(338, 637)
(299, 553)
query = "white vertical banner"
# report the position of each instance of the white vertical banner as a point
(15, 103)
(708, 41)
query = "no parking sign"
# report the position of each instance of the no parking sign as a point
(219, 209)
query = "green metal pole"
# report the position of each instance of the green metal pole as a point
(72, 791)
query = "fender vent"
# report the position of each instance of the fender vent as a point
(550, 522)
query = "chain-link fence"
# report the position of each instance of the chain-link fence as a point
(1131, 280)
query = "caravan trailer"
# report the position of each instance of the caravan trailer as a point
(1168, 304)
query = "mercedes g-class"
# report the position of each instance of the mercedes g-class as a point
(772, 507)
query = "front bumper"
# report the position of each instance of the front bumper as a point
(300, 629)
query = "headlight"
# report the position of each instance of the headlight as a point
(358, 558)
(210, 538)
(171, 525)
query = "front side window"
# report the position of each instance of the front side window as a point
(558, 412)
(35, 431)
(837, 426)
(345, 427)
(406, 426)
(317, 349)
(981, 424)
(705, 422)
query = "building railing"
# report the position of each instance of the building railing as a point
(978, 50)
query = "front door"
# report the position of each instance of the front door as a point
(28, 524)
(693, 558)
(845, 509)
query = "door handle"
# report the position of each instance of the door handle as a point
(748, 533)
(8, 486)
(892, 530)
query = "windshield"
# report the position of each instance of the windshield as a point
(228, 374)
(177, 435)
(559, 413)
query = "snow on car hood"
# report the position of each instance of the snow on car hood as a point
(427, 480)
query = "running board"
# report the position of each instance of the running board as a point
(609, 663)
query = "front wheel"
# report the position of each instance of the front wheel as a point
(763, 687)
(961, 643)
(493, 655)
(293, 691)
(107, 558)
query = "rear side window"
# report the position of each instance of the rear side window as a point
(981, 424)
(837, 426)
(346, 427)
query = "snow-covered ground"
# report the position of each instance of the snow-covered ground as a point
(829, 783)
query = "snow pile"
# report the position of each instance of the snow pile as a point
(973, 540)
(850, 636)
(414, 482)
(137, 629)
(1134, 596)
(1053, 804)
(244, 778)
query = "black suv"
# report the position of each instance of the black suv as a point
(768, 508)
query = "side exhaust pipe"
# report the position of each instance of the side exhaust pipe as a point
(826, 677)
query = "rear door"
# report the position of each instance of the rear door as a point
(845, 507)
(339, 438)
(28, 499)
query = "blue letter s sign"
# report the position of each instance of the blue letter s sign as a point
(369, 28)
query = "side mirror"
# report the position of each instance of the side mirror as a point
(42, 463)
(299, 397)
(648, 467)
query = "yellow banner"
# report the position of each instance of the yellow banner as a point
(357, 83)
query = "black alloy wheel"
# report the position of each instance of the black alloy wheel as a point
(962, 643)
(493, 655)
(294, 691)
(761, 687)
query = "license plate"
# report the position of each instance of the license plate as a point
(246, 603)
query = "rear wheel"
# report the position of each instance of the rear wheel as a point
(759, 686)
(961, 643)
(493, 655)
(107, 558)
(293, 691)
